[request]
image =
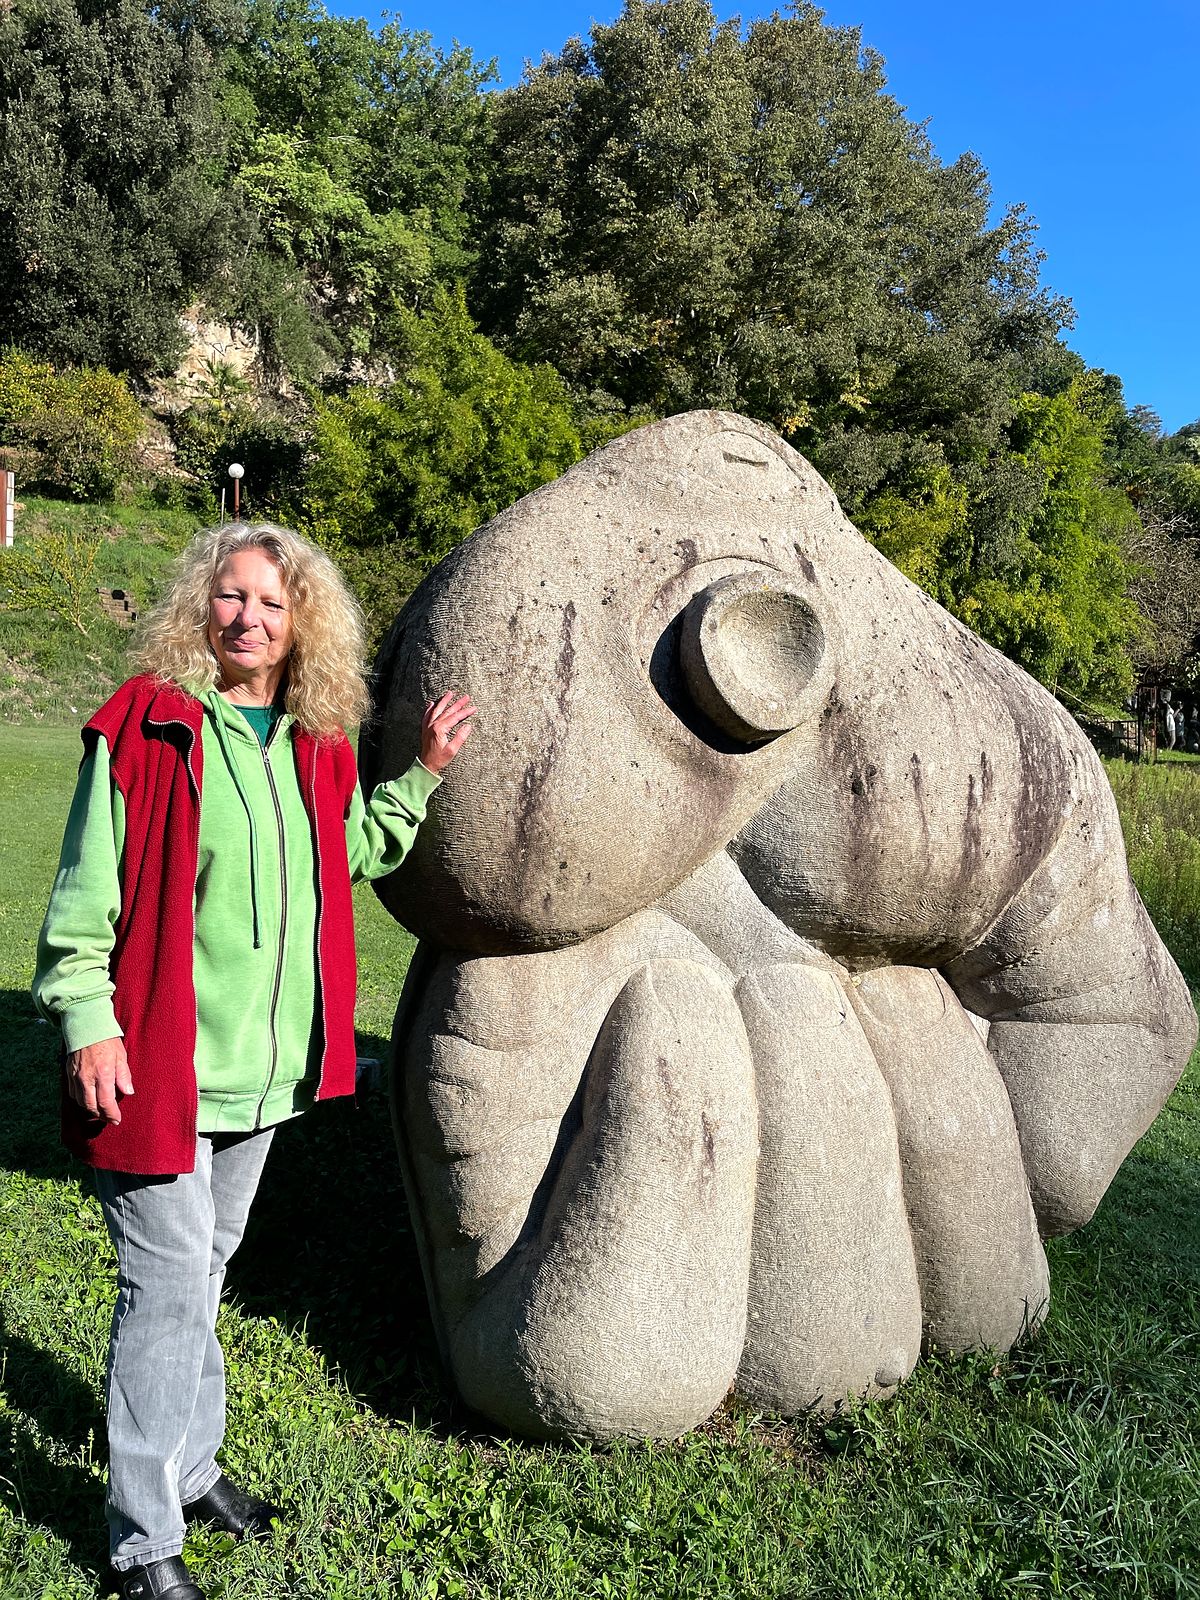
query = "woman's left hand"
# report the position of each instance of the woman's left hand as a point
(445, 728)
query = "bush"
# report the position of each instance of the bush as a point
(174, 494)
(460, 435)
(82, 424)
(53, 574)
(22, 384)
(1160, 818)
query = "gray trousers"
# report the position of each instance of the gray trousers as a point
(166, 1376)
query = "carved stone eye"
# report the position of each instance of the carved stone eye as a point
(751, 647)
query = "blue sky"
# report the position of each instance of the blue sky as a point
(1086, 112)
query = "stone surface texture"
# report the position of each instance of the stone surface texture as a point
(781, 982)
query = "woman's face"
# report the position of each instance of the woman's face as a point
(250, 620)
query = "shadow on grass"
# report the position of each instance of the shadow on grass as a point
(51, 1450)
(29, 1079)
(330, 1248)
(1150, 1213)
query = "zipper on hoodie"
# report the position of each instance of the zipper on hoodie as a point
(283, 910)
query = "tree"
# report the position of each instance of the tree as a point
(351, 153)
(1164, 550)
(1061, 605)
(109, 218)
(684, 215)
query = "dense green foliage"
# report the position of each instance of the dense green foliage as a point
(399, 475)
(300, 171)
(1051, 584)
(350, 156)
(685, 214)
(1161, 476)
(464, 435)
(109, 142)
(1067, 1469)
(77, 429)
(455, 293)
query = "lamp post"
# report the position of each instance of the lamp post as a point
(237, 472)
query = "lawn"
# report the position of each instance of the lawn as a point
(1070, 1469)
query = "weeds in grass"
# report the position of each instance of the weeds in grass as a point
(50, 576)
(1160, 818)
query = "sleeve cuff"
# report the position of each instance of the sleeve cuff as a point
(423, 781)
(89, 1021)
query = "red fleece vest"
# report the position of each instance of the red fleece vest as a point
(153, 731)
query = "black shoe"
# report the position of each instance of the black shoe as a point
(234, 1510)
(157, 1580)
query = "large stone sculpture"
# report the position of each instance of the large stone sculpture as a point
(781, 979)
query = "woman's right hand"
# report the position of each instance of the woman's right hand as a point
(445, 727)
(96, 1075)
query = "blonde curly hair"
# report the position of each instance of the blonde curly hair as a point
(326, 688)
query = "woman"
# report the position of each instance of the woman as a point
(198, 953)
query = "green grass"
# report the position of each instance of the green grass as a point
(48, 672)
(1070, 1469)
(1160, 813)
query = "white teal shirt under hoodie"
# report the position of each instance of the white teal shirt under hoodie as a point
(254, 947)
